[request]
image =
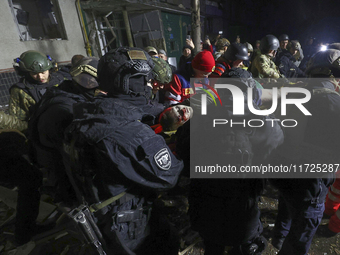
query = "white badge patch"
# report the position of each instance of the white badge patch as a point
(163, 159)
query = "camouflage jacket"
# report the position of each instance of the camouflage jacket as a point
(11, 122)
(23, 97)
(264, 67)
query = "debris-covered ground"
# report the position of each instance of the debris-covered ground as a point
(175, 207)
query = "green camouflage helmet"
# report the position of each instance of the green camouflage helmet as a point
(162, 71)
(221, 43)
(33, 61)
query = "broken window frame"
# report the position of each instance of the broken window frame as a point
(106, 25)
(54, 21)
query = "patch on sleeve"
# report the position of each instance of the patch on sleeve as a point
(163, 159)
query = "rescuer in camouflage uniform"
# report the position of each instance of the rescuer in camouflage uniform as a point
(34, 68)
(263, 65)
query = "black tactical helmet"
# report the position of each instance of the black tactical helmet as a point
(269, 42)
(324, 64)
(32, 61)
(162, 71)
(236, 51)
(283, 37)
(118, 67)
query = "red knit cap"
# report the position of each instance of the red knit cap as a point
(204, 61)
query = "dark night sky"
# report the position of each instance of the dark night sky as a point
(299, 19)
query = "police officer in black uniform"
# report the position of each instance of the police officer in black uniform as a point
(301, 202)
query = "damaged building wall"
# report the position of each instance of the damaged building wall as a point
(13, 42)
